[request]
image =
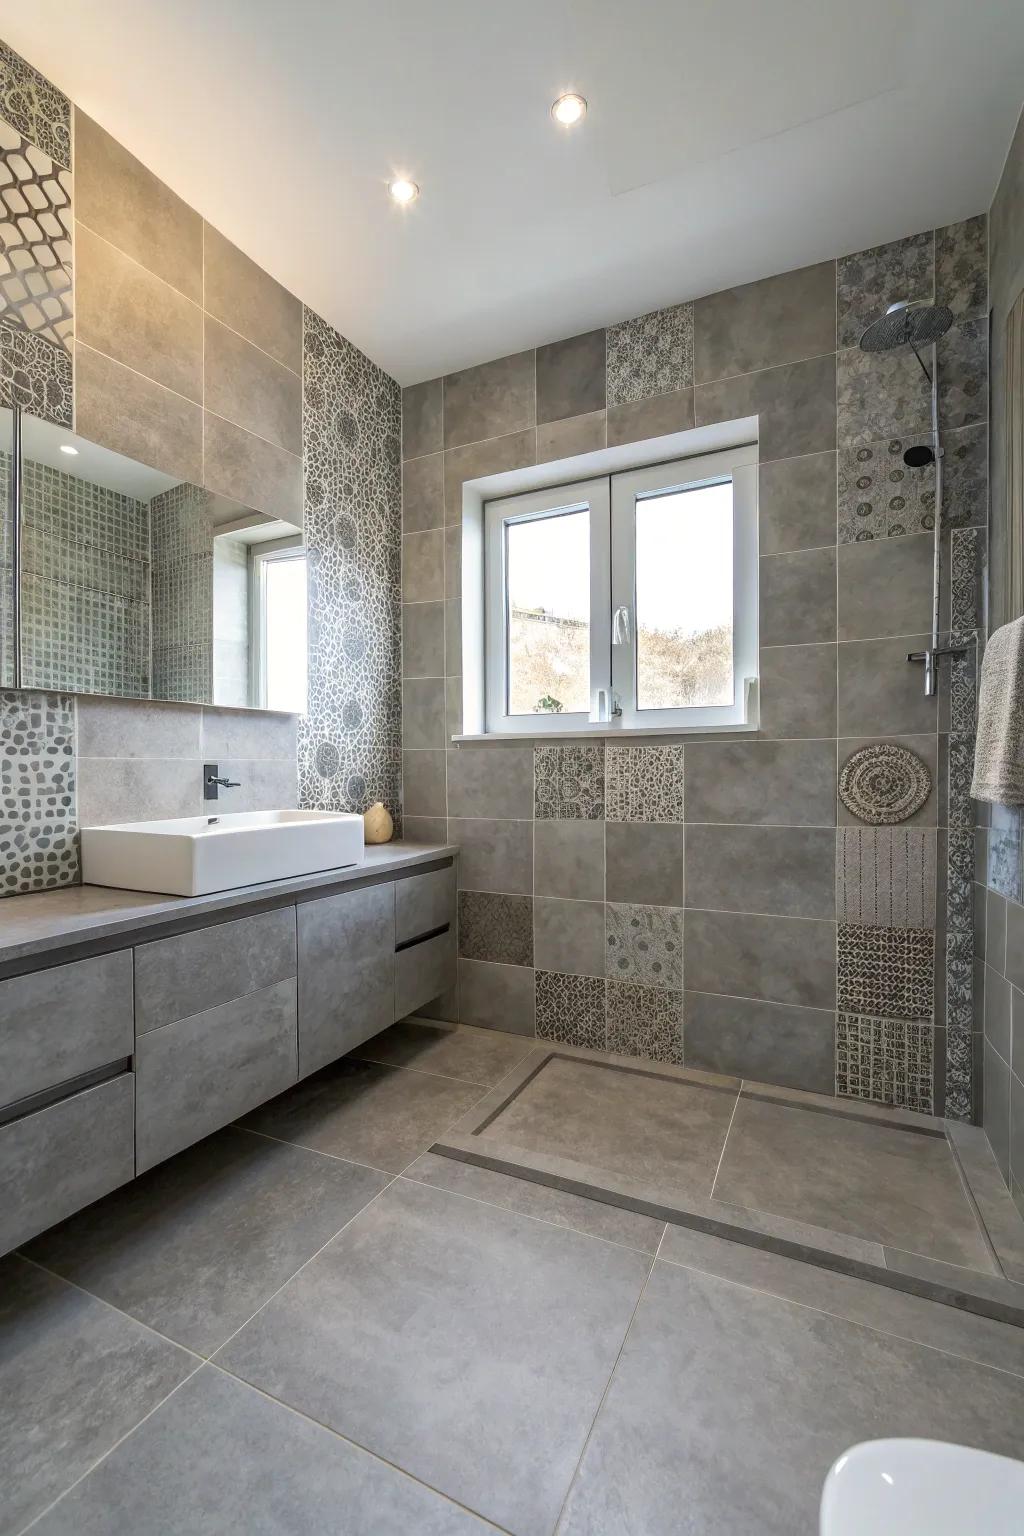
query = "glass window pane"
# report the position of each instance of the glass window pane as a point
(285, 620)
(684, 586)
(548, 574)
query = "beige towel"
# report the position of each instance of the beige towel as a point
(999, 749)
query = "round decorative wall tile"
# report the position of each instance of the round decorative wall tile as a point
(884, 784)
(327, 760)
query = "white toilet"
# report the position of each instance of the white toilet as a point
(922, 1488)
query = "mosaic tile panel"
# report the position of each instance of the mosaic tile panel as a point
(38, 839)
(644, 945)
(888, 1061)
(569, 783)
(35, 374)
(886, 972)
(959, 981)
(36, 108)
(885, 877)
(959, 1075)
(650, 355)
(645, 1021)
(961, 266)
(644, 784)
(960, 881)
(35, 239)
(570, 1009)
(496, 928)
(869, 281)
(182, 594)
(963, 374)
(351, 434)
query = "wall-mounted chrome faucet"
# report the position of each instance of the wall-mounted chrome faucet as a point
(213, 783)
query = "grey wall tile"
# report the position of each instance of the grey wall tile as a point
(785, 870)
(1015, 946)
(453, 637)
(423, 641)
(257, 473)
(963, 375)
(242, 295)
(425, 829)
(489, 400)
(761, 783)
(496, 927)
(136, 728)
(885, 587)
(120, 409)
(496, 996)
(798, 597)
(452, 707)
(644, 863)
(238, 733)
(758, 325)
(249, 387)
(778, 959)
(880, 692)
(423, 713)
(453, 561)
(795, 403)
(576, 434)
(491, 782)
(270, 784)
(423, 493)
(797, 503)
(636, 421)
(423, 783)
(137, 789)
(568, 936)
(516, 450)
(769, 1042)
(422, 418)
(995, 932)
(571, 376)
(997, 1014)
(879, 395)
(494, 855)
(868, 281)
(569, 859)
(798, 690)
(996, 1112)
(423, 567)
(961, 266)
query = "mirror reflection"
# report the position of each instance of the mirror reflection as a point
(136, 584)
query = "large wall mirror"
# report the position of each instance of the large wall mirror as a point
(119, 579)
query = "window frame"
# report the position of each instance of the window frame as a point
(260, 556)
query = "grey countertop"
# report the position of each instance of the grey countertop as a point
(41, 925)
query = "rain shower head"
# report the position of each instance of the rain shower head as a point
(903, 324)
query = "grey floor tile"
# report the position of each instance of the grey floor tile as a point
(658, 1131)
(197, 1245)
(886, 1185)
(74, 1377)
(609, 1222)
(728, 1407)
(383, 1116)
(219, 1458)
(473, 1055)
(468, 1345)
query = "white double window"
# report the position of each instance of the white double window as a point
(624, 602)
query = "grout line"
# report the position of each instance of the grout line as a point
(725, 1143)
(94, 1296)
(335, 1157)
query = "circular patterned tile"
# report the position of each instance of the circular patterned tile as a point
(884, 784)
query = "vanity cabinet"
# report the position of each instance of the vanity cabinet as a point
(191, 972)
(346, 951)
(423, 971)
(59, 1024)
(424, 904)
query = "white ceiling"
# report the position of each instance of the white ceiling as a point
(726, 140)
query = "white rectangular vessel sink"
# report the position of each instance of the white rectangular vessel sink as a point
(194, 855)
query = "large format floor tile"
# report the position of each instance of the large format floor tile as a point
(876, 1182)
(474, 1055)
(218, 1458)
(383, 1116)
(660, 1132)
(74, 1377)
(197, 1245)
(466, 1344)
(728, 1406)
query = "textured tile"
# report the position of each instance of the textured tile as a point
(422, 418)
(496, 996)
(650, 355)
(796, 404)
(645, 945)
(960, 880)
(34, 106)
(571, 377)
(569, 783)
(38, 812)
(959, 982)
(778, 959)
(797, 503)
(880, 781)
(568, 936)
(963, 374)
(765, 1042)
(35, 374)
(1005, 845)
(886, 972)
(880, 496)
(645, 1021)
(569, 859)
(778, 319)
(888, 1061)
(498, 928)
(489, 400)
(869, 281)
(961, 266)
(885, 877)
(644, 783)
(571, 1009)
(35, 261)
(644, 862)
(880, 395)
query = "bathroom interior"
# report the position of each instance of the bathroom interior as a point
(511, 768)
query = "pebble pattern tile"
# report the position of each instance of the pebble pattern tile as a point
(38, 838)
(496, 928)
(869, 281)
(645, 944)
(650, 355)
(569, 783)
(571, 1009)
(645, 1021)
(888, 1061)
(644, 784)
(886, 972)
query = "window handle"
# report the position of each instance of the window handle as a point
(620, 626)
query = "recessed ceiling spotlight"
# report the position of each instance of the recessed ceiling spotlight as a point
(569, 109)
(402, 190)
(67, 448)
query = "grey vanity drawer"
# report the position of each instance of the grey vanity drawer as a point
(62, 1022)
(178, 977)
(423, 971)
(346, 972)
(54, 1162)
(197, 1074)
(424, 903)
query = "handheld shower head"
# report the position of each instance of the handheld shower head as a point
(903, 324)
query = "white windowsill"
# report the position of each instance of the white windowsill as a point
(610, 733)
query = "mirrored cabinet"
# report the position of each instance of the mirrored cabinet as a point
(119, 579)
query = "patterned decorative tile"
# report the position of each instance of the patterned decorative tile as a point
(966, 547)
(959, 982)
(963, 374)
(38, 838)
(351, 434)
(650, 355)
(645, 944)
(644, 783)
(960, 881)
(959, 1075)
(965, 480)
(1005, 851)
(36, 108)
(888, 1061)
(960, 809)
(497, 928)
(886, 972)
(570, 1009)
(869, 281)
(35, 239)
(35, 374)
(879, 496)
(880, 395)
(569, 783)
(961, 266)
(645, 1021)
(885, 877)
